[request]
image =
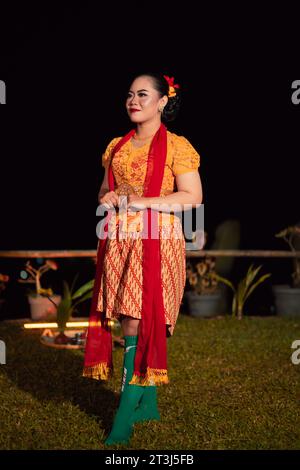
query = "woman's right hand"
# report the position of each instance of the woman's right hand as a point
(109, 199)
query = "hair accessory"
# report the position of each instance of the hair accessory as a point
(172, 86)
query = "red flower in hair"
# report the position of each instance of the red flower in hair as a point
(172, 86)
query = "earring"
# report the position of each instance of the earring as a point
(161, 109)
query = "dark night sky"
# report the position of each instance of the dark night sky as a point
(67, 72)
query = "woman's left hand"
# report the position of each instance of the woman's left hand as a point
(136, 202)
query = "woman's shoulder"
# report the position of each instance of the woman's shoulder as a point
(113, 141)
(185, 156)
(106, 156)
(177, 139)
(180, 141)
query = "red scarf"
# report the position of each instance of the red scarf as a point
(150, 365)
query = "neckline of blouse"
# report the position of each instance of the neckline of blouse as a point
(140, 146)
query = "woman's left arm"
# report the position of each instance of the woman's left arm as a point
(189, 194)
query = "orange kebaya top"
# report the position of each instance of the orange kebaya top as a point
(129, 164)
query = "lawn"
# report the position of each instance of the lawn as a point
(232, 386)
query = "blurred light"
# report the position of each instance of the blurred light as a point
(24, 274)
(71, 324)
(77, 324)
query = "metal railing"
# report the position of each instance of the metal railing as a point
(189, 253)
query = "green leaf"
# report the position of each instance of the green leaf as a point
(64, 308)
(287, 231)
(253, 287)
(63, 313)
(241, 290)
(225, 281)
(250, 276)
(88, 295)
(234, 305)
(83, 289)
(73, 283)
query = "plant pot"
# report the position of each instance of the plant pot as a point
(204, 305)
(287, 300)
(41, 308)
(51, 338)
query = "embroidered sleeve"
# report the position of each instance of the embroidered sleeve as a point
(106, 156)
(186, 158)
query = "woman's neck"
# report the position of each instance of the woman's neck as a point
(145, 130)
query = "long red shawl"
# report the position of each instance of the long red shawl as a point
(150, 366)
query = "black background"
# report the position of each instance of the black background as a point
(67, 70)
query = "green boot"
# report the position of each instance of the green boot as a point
(129, 399)
(147, 409)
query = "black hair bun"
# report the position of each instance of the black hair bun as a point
(172, 108)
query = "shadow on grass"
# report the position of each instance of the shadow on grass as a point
(55, 375)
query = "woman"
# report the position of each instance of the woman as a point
(140, 274)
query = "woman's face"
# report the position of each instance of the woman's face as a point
(145, 99)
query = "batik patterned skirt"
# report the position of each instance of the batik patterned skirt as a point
(122, 278)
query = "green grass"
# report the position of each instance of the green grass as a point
(232, 386)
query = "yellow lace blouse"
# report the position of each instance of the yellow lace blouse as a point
(130, 163)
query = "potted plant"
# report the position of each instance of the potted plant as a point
(68, 305)
(42, 301)
(204, 298)
(4, 278)
(215, 295)
(243, 290)
(287, 296)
